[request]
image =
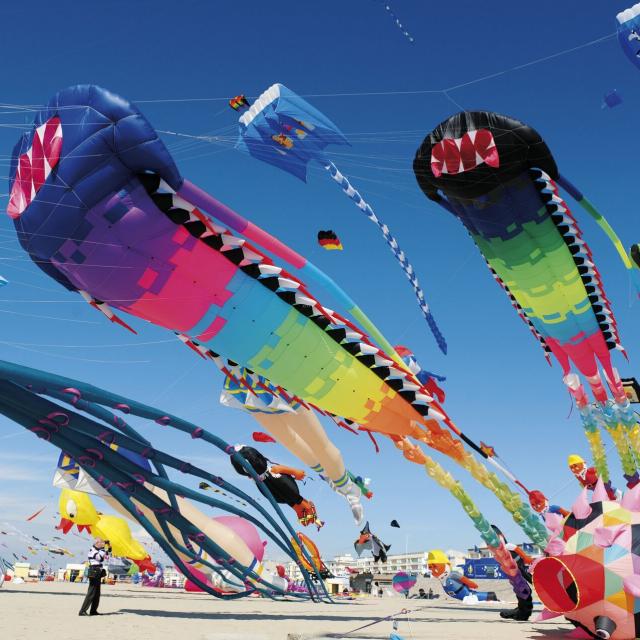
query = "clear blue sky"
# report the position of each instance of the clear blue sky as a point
(185, 60)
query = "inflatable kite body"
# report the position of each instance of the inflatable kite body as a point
(629, 33)
(498, 177)
(459, 587)
(403, 583)
(371, 542)
(109, 216)
(77, 508)
(314, 563)
(284, 130)
(587, 476)
(294, 426)
(100, 206)
(454, 583)
(591, 573)
(233, 534)
(281, 482)
(79, 420)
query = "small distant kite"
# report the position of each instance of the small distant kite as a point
(207, 487)
(399, 24)
(259, 436)
(403, 582)
(238, 102)
(371, 542)
(329, 240)
(487, 449)
(394, 523)
(632, 389)
(36, 514)
(611, 99)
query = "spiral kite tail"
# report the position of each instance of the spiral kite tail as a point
(401, 257)
(482, 525)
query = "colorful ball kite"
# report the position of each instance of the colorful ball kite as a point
(591, 575)
(402, 582)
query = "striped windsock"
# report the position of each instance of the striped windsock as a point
(400, 255)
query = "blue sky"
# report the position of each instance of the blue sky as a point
(182, 61)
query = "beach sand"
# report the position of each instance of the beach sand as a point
(35, 610)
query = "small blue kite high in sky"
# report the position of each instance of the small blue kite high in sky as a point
(284, 130)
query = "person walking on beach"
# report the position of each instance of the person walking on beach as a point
(96, 557)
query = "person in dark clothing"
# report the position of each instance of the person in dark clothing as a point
(525, 606)
(281, 482)
(97, 556)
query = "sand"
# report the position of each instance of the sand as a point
(37, 610)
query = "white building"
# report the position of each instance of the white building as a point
(413, 562)
(172, 577)
(484, 552)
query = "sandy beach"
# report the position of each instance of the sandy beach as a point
(31, 611)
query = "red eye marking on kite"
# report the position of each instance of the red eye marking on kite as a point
(457, 155)
(35, 165)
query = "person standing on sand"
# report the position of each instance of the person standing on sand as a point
(96, 557)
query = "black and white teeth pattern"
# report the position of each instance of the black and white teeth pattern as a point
(290, 290)
(572, 235)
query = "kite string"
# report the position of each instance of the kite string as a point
(454, 87)
(378, 621)
(443, 90)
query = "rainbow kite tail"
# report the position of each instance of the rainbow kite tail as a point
(616, 429)
(488, 535)
(512, 501)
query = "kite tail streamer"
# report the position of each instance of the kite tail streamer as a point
(512, 501)
(594, 438)
(521, 513)
(632, 428)
(591, 420)
(624, 417)
(85, 441)
(497, 548)
(616, 430)
(407, 267)
(602, 222)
